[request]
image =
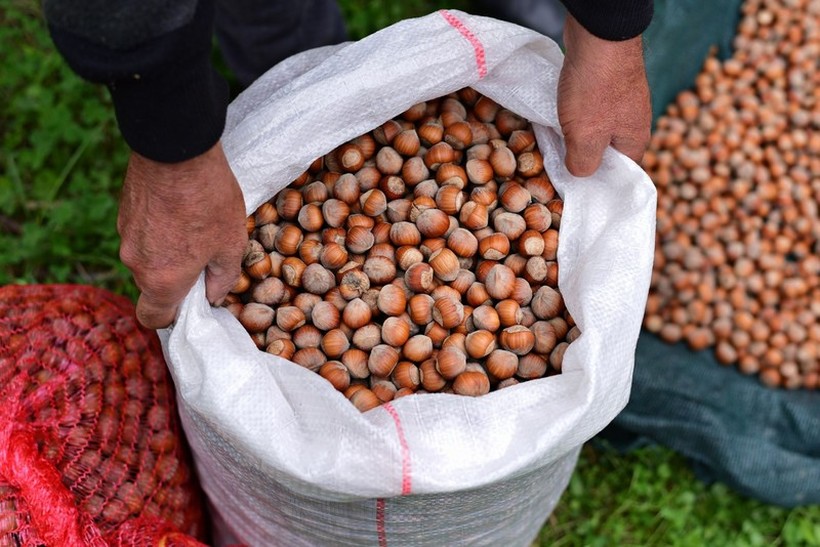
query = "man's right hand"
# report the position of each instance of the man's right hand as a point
(603, 99)
(175, 220)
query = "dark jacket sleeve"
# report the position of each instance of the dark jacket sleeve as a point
(154, 57)
(612, 19)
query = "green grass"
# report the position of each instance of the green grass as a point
(61, 166)
(651, 497)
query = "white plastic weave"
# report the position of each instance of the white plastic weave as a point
(285, 459)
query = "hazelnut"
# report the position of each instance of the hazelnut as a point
(450, 362)
(292, 271)
(432, 223)
(486, 318)
(420, 308)
(350, 157)
(418, 348)
(495, 246)
(430, 378)
(395, 331)
(448, 312)
(265, 214)
(380, 270)
(407, 142)
(269, 291)
(471, 383)
(514, 197)
(531, 366)
(509, 313)
(420, 278)
(473, 215)
(356, 362)
(503, 162)
(356, 314)
(557, 356)
(511, 225)
(289, 318)
(256, 317)
(445, 264)
(306, 336)
(288, 239)
(406, 256)
(335, 343)
(405, 233)
(317, 280)
(458, 135)
(479, 171)
(333, 256)
(547, 303)
(281, 348)
(430, 133)
(502, 364)
(391, 300)
(517, 339)
(345, 189)
(364, 399)
(367, 337)
(530, 164)
(310, 358)
(500, 282)
(462, 242)
(521, 140)
(373, 202)
(384, 389)
(451, 174)
(480, 343)
(337, 374)
(382, 360)
(288, 203)
(406, 375)
(388, 161)
(353, 284)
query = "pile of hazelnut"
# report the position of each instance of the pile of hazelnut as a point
(737, 166)
(419, 257)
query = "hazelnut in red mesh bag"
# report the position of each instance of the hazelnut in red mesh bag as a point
(91, 450)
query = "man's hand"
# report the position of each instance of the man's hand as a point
(603, 98)
(176, 220)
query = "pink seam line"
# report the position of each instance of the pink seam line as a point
(480, 59)
(380, 522)
(406, 479)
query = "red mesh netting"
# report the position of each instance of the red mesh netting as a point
(91, 450)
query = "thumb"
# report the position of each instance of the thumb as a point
(584, 154)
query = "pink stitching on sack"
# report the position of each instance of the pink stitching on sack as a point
(380, 522)
(406, 479)
(475, 42)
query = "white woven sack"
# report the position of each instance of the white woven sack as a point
(285, 459)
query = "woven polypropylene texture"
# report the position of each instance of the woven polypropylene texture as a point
(91, 451)
(266, 431)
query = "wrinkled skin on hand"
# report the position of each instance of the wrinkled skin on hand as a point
(603, 99)
(176, 220)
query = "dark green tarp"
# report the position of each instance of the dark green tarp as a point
(764, 443)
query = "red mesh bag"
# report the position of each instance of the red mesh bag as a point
(91, 450)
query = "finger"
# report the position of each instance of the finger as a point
(162, 293)
(584, 154)
(631, 147)
(153, 315)
(221, 275)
